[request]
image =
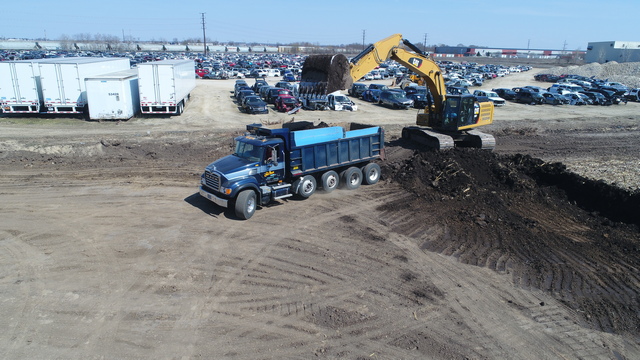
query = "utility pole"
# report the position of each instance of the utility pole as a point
(122, 35)
(363, 39)
(425, 42)
(528, 43)
(204, 35)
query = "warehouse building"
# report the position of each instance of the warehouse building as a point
(619, 51)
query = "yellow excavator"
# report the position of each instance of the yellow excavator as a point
(447, 120)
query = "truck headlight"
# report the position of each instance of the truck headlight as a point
(225, 190)
(202, 180)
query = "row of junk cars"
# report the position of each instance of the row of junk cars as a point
(564, 90)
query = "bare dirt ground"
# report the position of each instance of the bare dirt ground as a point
(108, 252)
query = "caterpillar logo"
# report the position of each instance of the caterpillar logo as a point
(268, 173)
(415, 62)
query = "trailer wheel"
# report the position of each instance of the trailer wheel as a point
(371, 173)
(245, 204)
(305, 186)
(180, 108)
(330, 181)
(352, 178)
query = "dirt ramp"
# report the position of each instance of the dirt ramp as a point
(548, 228)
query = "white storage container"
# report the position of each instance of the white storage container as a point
(113, 96)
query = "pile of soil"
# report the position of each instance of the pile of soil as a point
(551, 229)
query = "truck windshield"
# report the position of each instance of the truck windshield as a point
(249, 151)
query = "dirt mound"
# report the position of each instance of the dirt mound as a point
(549, 228)
(626, 73)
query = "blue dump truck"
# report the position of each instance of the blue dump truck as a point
(272, 164)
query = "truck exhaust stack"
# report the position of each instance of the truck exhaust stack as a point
(324, 74)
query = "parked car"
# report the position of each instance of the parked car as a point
(340, 102)
(633, 95)
(286, 103)
(596, 98)
(258, 84)
(357, 89)
(378, 87)
(505, 93)
(457, 90)
(492, 96)
(575, 99)
(418, 94)
(285, 85)
(254, 105)
(238, 84)
(554, 98)
(527, 96)
(244, 93)
(371, 95)
(394, 100)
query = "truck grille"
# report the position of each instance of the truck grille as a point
(212, 180)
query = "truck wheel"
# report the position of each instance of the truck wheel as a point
(245, 204)
(352, 178)
(180, 109)
(330, 181)
(371, 173)
(305, 186)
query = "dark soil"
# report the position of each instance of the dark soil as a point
(551, 229)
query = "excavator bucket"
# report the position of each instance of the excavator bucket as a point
(324, 74)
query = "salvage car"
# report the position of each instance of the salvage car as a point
(492, 96)
(338, 102)
(505, 93)
(254, 105)
(357, 89)
(394, 100)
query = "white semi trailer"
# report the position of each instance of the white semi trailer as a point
(63, 81)
(165, 86)
(20, 89)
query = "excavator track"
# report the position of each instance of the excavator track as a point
(443, 141)
(431, 139)
(482, 140)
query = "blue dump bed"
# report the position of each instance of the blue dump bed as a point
(325, 148)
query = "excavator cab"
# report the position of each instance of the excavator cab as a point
(459, 111)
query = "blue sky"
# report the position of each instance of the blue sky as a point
(539, 24)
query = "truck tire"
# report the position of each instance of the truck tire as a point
(245, 204)
(330, 181)
(305, 186)
(371, 173)
(180, 108)
(351, 178)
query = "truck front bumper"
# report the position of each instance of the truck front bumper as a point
(215, 199)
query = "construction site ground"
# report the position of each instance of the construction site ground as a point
(530, 252)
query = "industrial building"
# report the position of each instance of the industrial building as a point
(619, 51)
